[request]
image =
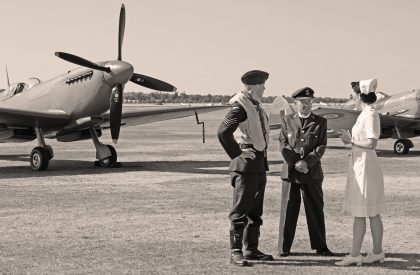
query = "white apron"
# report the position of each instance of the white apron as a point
(364, 195)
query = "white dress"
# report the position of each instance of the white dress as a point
(365, 196)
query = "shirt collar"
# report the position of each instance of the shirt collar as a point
(302, 116)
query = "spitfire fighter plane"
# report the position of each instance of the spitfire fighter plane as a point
(80, 104)
(399, 114)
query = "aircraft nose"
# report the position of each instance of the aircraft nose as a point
(120, 72)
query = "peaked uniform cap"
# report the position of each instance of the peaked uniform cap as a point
(303, 93)
(254, 77)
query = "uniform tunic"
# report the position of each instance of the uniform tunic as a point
(248, 176)
(364, 195)
(302, 141)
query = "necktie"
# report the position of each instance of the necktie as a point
(261, 115)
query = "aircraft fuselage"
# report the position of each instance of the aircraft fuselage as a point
(79, 93)
(407, 101)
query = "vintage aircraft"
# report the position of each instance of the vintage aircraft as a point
(399, 114)
(79, 104)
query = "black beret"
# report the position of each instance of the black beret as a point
(304, 92)
(254, 77)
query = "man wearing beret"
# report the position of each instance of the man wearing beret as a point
(303, 138)
(244, 136)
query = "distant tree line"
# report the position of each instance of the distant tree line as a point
(162, 97)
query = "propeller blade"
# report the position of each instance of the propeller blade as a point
(81, 61)
(121, 31)
(115, 110)
(152, 83)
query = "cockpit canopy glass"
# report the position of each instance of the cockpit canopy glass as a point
(16, 88)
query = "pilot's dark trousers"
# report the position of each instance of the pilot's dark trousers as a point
(314, 209)
(247, 208)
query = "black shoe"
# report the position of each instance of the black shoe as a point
(237, 258)
(284, 254)
(324, 252)
(256, 255)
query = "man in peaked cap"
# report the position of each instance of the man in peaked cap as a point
(244, 136)
(303, 138)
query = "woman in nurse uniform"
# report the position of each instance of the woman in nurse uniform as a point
(364, 196)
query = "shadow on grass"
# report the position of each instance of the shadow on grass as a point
(380, 152)
(339, 147)
(393, 261)
(80, 167)
(392, 154)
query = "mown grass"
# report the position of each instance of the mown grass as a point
(165, 211)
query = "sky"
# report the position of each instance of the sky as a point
(205, 46)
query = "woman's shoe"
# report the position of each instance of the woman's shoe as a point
(371, 258)
(348, 260)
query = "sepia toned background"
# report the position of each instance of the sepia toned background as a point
(205, 46)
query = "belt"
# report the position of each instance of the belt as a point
(246, 146)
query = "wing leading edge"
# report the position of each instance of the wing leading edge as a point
(154, 114)
(24, 118)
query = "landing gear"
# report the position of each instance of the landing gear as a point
(402, 146)
(106, 154)
(110, 161)
(39, 159)
(40, 155)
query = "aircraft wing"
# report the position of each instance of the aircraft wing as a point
(388, 121)
(24, 118)
(146, 114)
(338, 119)
(345, 119)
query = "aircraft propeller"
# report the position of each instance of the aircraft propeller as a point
(121, 30)
(118, 73)
(81, 61)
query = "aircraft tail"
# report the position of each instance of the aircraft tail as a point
(7, 76)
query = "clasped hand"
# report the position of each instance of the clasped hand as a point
(302, 167)
(248, 153)
(345, 136)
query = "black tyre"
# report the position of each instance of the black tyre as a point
(39, 159)
(110, 161)
(50, 151)
(401, 146)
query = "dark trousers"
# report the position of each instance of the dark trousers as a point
(247, 207)
(314, 209)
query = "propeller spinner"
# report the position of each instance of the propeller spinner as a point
(117, 73)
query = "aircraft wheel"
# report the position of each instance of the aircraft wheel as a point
(401, 146)
(50, 151)
(110, 161)
(39, 159)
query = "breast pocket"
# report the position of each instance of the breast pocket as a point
(312, 138)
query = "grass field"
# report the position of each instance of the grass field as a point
(165, 211)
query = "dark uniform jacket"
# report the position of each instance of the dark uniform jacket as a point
(303, 142)
(236, 115)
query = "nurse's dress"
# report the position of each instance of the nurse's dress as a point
(365, 196)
